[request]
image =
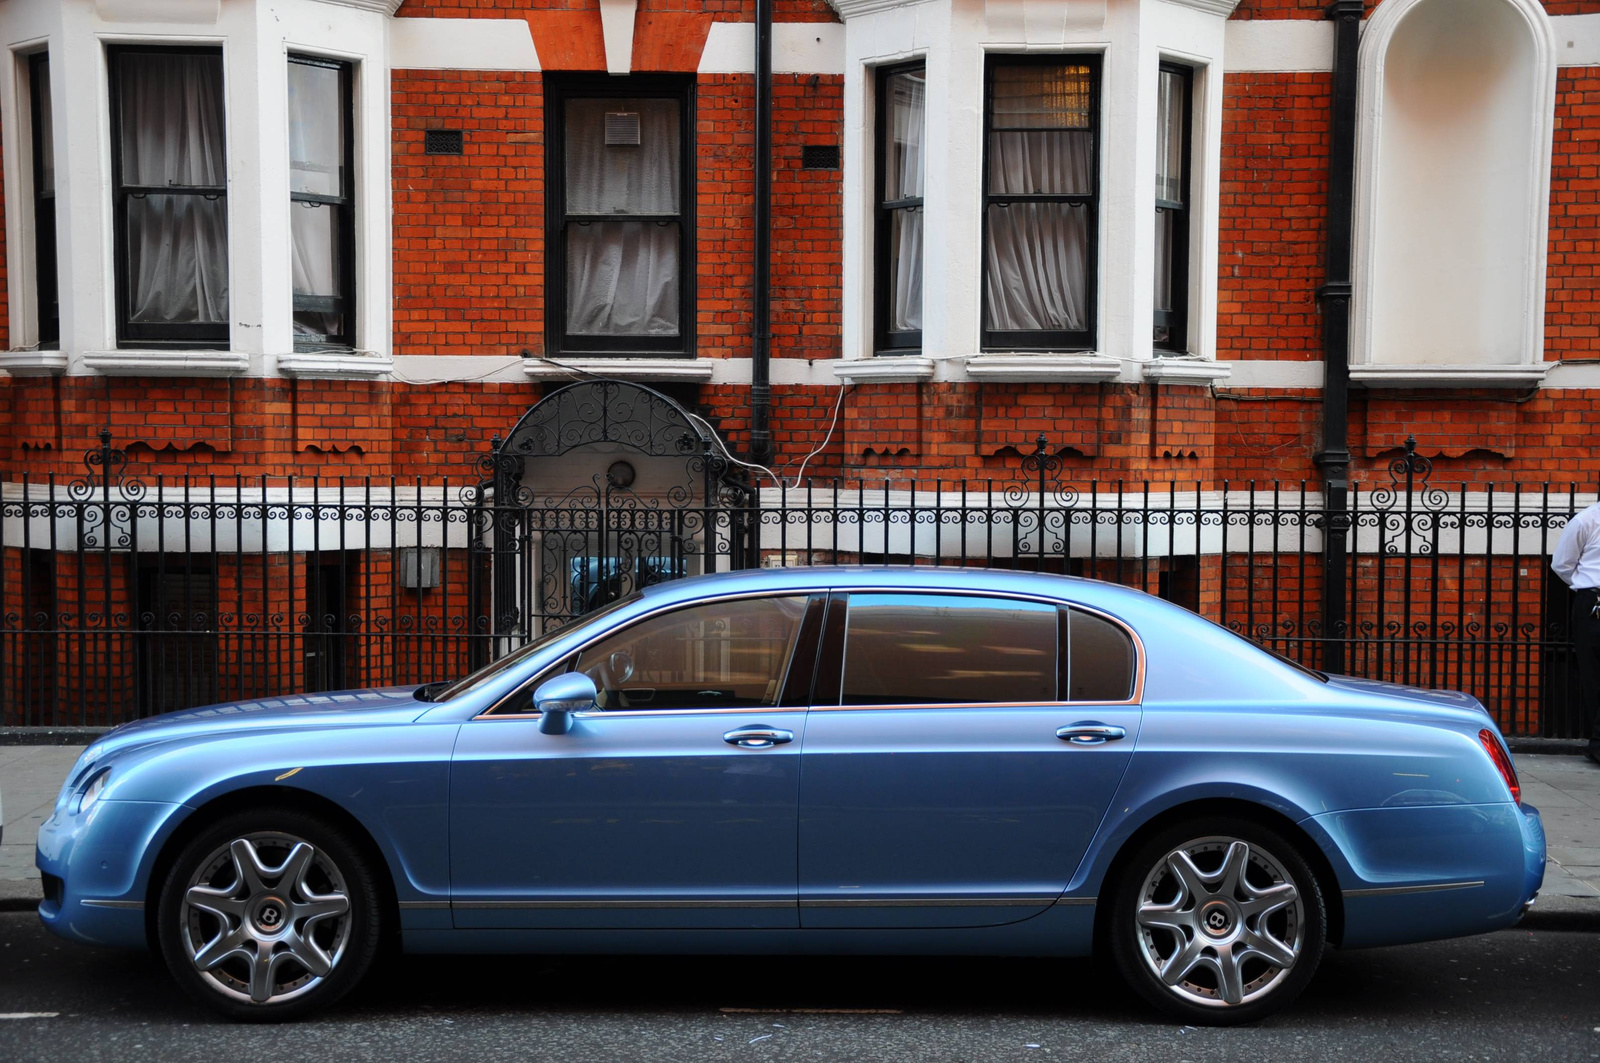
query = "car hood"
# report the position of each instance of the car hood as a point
(309, 711)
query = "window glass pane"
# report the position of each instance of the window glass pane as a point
(903, 154)
(44, 138)
(622, 177)
(1171, 105)
(1102, 659)
(722, 655)
(1030, 163)
(177, 259)
(1035, 96)
(938, 648)
(622, 278)
(316, 130)
(317, 247)
(1036, 273)
(905, 270)
(172, 119)
(1165, 220)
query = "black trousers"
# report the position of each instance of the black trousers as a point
(1586, 644)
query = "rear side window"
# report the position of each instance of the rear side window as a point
(1100, 659)
(921, 649)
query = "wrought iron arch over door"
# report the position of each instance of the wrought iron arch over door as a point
(603, 487)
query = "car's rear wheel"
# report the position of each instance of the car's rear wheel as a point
(269, 914)
(1217, 922)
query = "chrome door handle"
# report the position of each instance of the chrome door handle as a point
(757, 737)
(1091, 734)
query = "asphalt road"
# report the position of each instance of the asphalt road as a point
(1507, 996)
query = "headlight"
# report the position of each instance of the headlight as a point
(91, 793)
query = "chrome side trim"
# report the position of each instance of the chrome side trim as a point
(1078, 900)
(423, 906)
(1395, 891)
(576, 904)
(130, 906)
(928, 902)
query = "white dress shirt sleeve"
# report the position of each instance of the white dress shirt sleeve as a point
(1572, 544)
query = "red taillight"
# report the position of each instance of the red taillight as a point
(1502, 761)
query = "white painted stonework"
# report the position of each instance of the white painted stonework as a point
(1457, 102)
(256, 37)
(797, 48)
(461, 44)
(1279, 45)
(953, 37)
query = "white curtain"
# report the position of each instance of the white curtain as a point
(902, 179)
(172, 134)
(314, 266)
(623, 276)
(1037, 253)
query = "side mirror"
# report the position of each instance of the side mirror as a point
(557, 699)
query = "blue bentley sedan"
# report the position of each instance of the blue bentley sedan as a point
(843, 761)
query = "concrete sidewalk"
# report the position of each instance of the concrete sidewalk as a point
(1565, 789)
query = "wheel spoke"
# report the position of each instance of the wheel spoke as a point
(247, 865)
(1269, 948)
(1263, 902)
(1230, 881)
(292, 872)
(1194, 880)
(1168, 917)
(310, 955)
(320, 906)
(1230, 978)
(1182, 962)
(263, 965)
(220, 903)
(227, 943)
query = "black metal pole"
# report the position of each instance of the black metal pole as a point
(1334, 296)
(761, 326)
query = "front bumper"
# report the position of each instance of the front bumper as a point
(102, 861)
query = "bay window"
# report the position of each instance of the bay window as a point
(1172, 209)
(169, 177)
(901, 118)
(1041, 202)
(322, 206)
(620, 279)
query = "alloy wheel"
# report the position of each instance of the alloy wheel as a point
(266, 918)
(1220, 922)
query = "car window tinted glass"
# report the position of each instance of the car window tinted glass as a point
(720, 655)
(1100, 659)
(944, 648)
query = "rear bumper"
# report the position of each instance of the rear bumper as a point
(1420, 874)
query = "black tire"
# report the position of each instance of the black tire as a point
(1230, 933)
(302, 924)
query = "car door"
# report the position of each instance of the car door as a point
(672, 804)
(961, 753)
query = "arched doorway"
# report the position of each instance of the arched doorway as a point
(602, 488)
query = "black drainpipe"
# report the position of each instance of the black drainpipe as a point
(761, 353)
(1334, 296)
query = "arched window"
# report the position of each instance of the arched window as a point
(1452, 192)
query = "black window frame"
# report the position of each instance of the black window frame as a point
(169, 335)
(1046, 339)
(345, 204)
(1176, 320)
(558, 90)
(884, 339)
(46, 282)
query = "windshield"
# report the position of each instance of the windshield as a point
(445, 692)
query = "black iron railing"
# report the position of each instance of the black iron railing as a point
(123, 597)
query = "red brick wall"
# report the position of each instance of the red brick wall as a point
(1272, 226)
(1572, 318)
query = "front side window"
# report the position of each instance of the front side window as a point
(621, 188)
(722, 655)
(322, 203)
(44, 203)
(169, 172)
(931, 649)
(1041, 180)
(902, 111)
(1172, 209)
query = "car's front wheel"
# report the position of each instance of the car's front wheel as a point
(1217, 922)
(269, 914)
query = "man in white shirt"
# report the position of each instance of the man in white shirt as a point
(1577, 562)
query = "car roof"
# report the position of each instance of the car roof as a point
(907, 577)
